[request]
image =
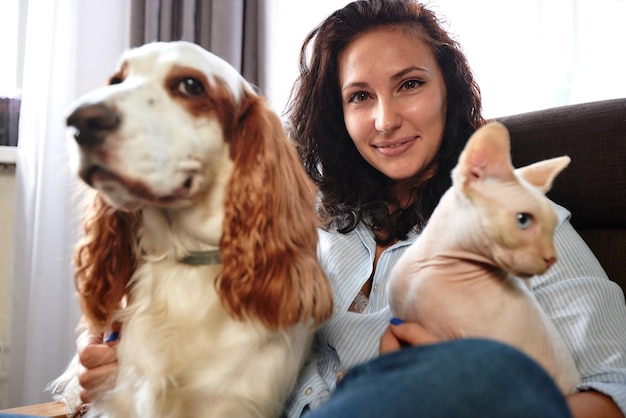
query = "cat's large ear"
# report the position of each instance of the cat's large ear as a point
(487, 154)
(542, 173)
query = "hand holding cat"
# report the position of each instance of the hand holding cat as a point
(400, 334)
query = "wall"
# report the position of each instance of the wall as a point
(7, 200)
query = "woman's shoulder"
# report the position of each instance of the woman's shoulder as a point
(562, 213)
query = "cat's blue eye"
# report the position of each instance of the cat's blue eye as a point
(524, 220)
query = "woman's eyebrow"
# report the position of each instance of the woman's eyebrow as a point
(356, 84)
(408, 70)
(395, 77)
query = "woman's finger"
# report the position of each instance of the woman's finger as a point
(97, 362)
(95, 380)
(412, 333)
(400, 333)
(95, 355)
(389, 342)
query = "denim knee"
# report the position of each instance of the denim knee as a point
(460, 378)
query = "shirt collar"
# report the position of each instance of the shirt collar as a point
(366, 235)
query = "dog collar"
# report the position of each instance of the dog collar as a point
(201, 258)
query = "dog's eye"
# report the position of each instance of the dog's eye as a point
(116, 79)
(190, 87)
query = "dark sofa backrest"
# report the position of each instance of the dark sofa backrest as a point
(593, 187)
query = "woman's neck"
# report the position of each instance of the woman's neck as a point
(406, 191)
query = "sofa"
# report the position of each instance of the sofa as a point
(593, 187)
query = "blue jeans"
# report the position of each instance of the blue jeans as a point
(456, 379)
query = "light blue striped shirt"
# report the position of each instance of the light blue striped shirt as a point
(587, 308)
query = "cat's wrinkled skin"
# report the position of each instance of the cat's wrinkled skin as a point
(493, 227)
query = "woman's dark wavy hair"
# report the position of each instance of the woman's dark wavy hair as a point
(351, 190)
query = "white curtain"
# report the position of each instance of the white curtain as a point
(71, 46)
(233, 29)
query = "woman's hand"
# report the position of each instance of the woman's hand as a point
(400, 334)
(98, 362)
(584, 404)
(592, 404)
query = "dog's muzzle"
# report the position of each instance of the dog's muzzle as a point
(92, 123)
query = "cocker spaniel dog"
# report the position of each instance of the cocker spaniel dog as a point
(200, 238)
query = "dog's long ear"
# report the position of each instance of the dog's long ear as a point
(104, 260)
(269, 242)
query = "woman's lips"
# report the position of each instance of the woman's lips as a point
(395, 148)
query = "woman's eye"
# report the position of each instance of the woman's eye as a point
(412, 84)
(358, 97)
(190, 87)
(524, 220)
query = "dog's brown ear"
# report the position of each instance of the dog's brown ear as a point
(269, 241)
(104, 260)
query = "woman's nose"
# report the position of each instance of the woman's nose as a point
(387, 117)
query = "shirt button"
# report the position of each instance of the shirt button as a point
(337, 310)
(308, 391)
(375, 287)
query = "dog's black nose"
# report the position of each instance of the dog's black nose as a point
(92, 123)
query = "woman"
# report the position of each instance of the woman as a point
(384, 104)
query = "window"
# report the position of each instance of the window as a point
(10, 73)
(288, 22)
(526, 55)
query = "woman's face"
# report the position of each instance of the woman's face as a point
(394, 101)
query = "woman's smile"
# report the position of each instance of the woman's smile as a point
(395, 148)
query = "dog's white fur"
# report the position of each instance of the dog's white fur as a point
(195, 162)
